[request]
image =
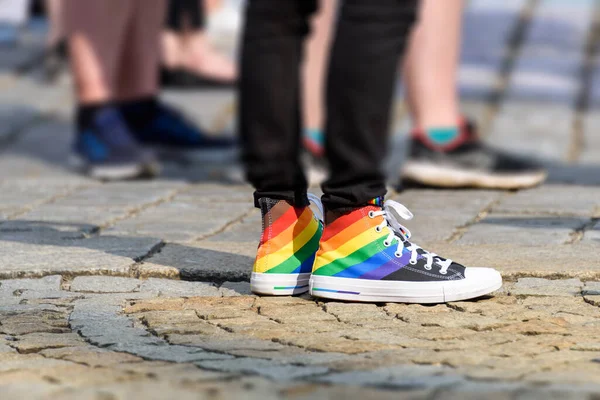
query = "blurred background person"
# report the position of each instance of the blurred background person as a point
(445, 149)
(115, 55)
(189, 59)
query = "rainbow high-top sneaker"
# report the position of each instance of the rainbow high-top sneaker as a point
(287, 248)
(365, 255)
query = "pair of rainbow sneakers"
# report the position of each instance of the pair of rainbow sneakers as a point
(364, 254)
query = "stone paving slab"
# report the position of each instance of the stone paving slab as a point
(525, 230)
(196, 261)
(198, 212)
(25, 255)
(542, 131)
(548, 261)
(554, 200)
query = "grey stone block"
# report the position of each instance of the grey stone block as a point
(20, 255)
(552, 199)
(546, 287)
(170, 288)
(274, 370)
(591, 288)
(48, 283)
(235, 289)
(526, 230)
(104, 284)
(477, 390)
(203, 261)
(171, 353)
(405, 377)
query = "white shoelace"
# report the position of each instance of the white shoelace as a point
(390, 221)
(317, 202)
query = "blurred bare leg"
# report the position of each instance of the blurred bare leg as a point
(430, 67)
(186, 45)
(54, 8)
(317, 50)
(138, 66)
(96, 32)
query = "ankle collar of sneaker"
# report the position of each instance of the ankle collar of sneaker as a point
(467, 133)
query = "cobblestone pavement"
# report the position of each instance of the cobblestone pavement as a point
(139, 289)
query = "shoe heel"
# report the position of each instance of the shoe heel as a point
(279, 284)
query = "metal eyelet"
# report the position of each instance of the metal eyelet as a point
(444, 272)
(386, 243)
(413, 262)
(371, 214)
(398, 255)
(378, 229)
(428, 268)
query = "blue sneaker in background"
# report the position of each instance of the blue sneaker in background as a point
(166, 127)
(107, 149)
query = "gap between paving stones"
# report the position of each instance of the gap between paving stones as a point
(143, 207)
(460, 231)
(49, 200)
(228, 225)
(578, 234)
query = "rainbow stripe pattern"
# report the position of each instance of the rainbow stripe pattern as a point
(351, 247)
(289, 244)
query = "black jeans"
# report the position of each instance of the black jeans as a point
(370, 37)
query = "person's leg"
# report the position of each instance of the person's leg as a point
(431, 87)
(189, 58)
(365, 254)
(140, 57)
(269, 123)
(368, 43)
(445, 148)
(97, 32)
(269, 106)
(104, 145)
(182, 15)
(199, 56)
(317, 50)
(152, 122)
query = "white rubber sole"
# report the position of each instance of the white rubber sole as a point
(436, 175)
(279, 284)
(478, 282)
(114, 172)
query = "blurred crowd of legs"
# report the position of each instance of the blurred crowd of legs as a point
(121, 52)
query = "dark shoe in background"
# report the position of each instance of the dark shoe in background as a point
(107, 150)
(470, 164)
